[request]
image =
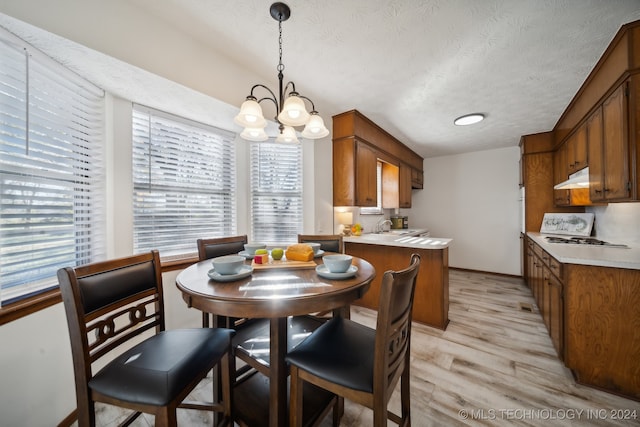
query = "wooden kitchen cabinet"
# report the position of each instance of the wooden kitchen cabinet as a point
(545, 278)
(358, 144)
(431, 299)
(577, 150)
(366, 193)
(592, 315)
(536, 164)
(405, 185)
(560, 174)
(354, 173)
(601, 325)
(417, 178)
(569, 158)
(594, 144)
(556, 312)
(609, 155)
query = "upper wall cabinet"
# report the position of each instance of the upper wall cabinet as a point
(354, 173)
(358, 144)
(406, 184)
(601, 126)
(577, 150)
(611, 150)
(560, 174)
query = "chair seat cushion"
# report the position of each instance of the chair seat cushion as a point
(340, 351)
(155, 371)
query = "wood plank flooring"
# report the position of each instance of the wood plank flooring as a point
(495, 365)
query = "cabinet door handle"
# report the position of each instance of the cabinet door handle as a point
(598, 191)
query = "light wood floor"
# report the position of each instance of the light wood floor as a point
(494, 366)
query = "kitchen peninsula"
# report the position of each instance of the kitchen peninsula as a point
(391, 251)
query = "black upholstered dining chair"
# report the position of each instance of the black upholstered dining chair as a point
(328, 242)
(359, 363)
(110, 305)
(215, 247)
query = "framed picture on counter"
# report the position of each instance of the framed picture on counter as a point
(575, 224)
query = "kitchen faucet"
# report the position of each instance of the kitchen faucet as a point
(381, 223)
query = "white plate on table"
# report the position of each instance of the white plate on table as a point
(245, 271)
(323, 271)
(319, 254)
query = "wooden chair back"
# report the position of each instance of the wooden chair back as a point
(393, 329)
(212, 248)
(112, 302)
(107, 304)
(328, 242)
(215, 247)
(359, 363)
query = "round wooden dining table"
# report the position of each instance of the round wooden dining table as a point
(274, 293)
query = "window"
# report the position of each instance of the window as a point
(51, 171)
(276, 192)
(184, 183)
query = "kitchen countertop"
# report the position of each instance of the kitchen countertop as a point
(601, 256)
(411, 238)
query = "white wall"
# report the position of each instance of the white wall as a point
(473, 199)
(617, 223)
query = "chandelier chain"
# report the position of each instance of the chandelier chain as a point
(280, 64)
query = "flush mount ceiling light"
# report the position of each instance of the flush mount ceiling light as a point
(468, 119)
(290, 107)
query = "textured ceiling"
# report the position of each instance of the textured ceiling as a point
(412, 66)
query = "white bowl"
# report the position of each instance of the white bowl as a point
(251, 248)
(314, 246)
(337, 263)
(228, 264)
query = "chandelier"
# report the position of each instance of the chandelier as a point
(290, 107)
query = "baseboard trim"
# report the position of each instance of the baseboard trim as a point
(512, 276)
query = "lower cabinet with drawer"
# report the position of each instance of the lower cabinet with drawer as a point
(592, 314)
(602, 327)
(545, 277)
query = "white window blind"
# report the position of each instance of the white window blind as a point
(51, 171)
(276, 192)
(184, 183)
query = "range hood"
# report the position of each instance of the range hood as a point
(578, 179)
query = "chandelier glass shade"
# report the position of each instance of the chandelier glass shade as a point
(291, 110)
(251, 115)
(288, 134)
(254, 134)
